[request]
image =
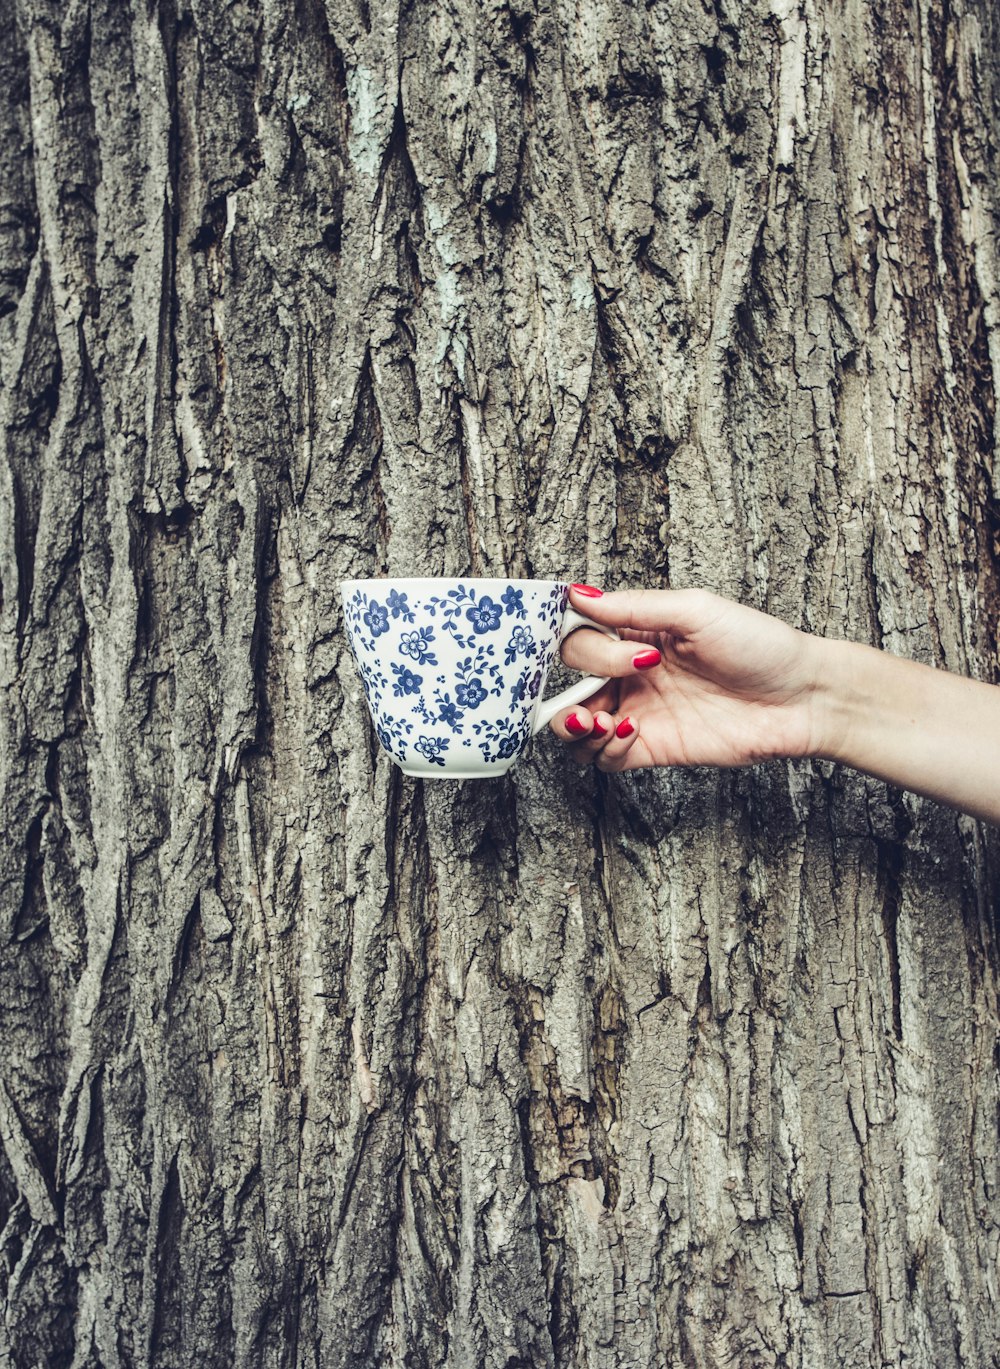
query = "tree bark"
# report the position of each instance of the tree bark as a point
(308, 1064)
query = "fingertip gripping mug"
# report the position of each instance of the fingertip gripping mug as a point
(454, 670)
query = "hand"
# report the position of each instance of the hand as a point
(730, 686)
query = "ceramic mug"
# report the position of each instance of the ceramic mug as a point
(454, 670)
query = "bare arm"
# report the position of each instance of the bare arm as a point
(919, 728)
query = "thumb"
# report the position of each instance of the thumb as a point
(681, 612)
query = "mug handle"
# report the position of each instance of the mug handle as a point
(575, 693)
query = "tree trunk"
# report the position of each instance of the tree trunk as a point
(308, 1064)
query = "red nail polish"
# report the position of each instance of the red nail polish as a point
(624, 728)
(599, 729)
(646, 659)
(588, 591)
(574, 725)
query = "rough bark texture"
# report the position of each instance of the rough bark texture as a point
(307, 1064)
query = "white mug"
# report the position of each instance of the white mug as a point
(454, 669)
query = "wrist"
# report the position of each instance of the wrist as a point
(836, 674)
(913, 726)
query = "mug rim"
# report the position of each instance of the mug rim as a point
(433, 580)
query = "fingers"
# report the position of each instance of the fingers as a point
(588, 729)
(596, 654)
(680, 612)
(599, 738)
(622, 750)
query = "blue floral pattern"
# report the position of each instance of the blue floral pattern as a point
(459, 672)
(416, 644)
(513, 601)
(504, 737)
(521, 643)
(432, 748)
(484, 616)
(472, 694)
(398, 606)
(406, 681)
(376, 619)
(482, 612)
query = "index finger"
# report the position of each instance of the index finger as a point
(680, 612)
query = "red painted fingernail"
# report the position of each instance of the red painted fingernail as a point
(599, 729)
(646, 659)
(624, 728)
(588, 591)
(574, 725)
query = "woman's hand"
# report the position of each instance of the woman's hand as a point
(697, 680)
(700, 680)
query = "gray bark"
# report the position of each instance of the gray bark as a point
(307, 1064)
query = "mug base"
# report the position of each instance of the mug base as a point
(434, 772)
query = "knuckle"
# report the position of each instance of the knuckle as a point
(583, 649)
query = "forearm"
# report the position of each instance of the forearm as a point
(921, 729)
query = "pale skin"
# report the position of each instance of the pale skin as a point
(700, 680)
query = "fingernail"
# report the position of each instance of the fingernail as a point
(574, 725)
(598, 730)
(646, 659)
(624, 728)
(588, 591)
